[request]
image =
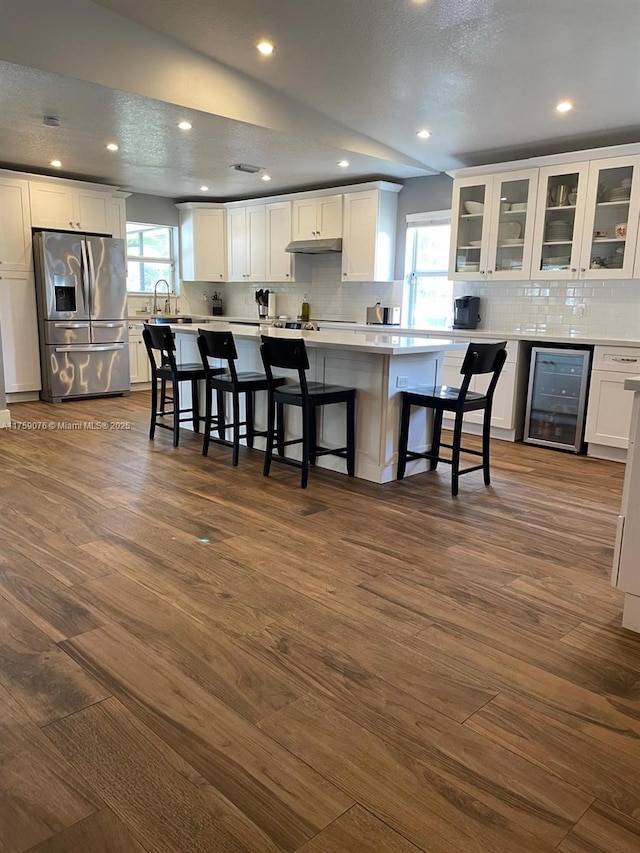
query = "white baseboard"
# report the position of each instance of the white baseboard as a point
(612, 454)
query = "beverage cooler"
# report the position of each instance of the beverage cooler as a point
(557, 398)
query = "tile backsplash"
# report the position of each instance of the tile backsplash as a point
(598, 308)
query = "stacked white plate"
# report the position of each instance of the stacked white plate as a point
(620, 194)
(558, 230)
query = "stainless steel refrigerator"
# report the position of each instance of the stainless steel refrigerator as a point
(81, 294)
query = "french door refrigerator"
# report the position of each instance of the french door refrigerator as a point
(82, 306)
(556, 402)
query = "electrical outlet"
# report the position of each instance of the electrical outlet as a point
(402, 381)
(204, 297)
(578, 310)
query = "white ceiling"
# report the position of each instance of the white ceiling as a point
(351, 79)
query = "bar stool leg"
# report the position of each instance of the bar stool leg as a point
(236, 427)
(435, 442)
(486, 443)
(404, 437)
(248, 409)
(313, 437)
(163, 396)
(220, 413)
(271, 413)
(455, 456)
(351, 436)
(307, 413)
(195, 402)
(207, 422)
(154, 407)
(280, 429)
(176, 412)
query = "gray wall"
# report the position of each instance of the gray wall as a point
(419, 195)
(151, 208)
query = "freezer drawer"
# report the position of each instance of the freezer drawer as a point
(109, 331)
(85, 370)
(67, 332)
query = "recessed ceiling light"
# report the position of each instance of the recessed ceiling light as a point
(266, 177)
(265, 48)
(204, 189)
(112, 146)
(343, 164)
(423, 134)
(184, 125)
(564, 106)
(56, 164)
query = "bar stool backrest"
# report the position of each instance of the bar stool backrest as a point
(483, 358)
(217, 345)
(160, 339)
(287, 354)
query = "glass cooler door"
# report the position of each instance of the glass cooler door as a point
(557, 397)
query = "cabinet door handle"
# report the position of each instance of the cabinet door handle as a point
(625, 359)
(78, 224)
(481, 272)
(489, 272)
(583, 269)
(71, 224)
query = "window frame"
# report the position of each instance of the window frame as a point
(171, 261)
(413, 222)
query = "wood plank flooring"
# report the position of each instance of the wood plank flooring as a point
(195, 658)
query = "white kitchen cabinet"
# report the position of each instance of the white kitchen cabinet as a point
(119, 217)
(19, 322)
(15, 225)
(609, 405)
(139, 366)
(67, 208)
(493, 226)
(318, 218)
(579, 208)
(246, 243)
(369, 235)
(278, 263)
(203, 242)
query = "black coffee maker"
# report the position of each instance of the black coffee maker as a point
(466, 312)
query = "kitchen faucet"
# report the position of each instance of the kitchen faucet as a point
(155, 295)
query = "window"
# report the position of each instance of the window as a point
(430, 293)
(149, 256)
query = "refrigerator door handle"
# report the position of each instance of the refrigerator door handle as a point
(85, 276)
(92, 275)
(70, 325)
(90, 348)
(107, 325)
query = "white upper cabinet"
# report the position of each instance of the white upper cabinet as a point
(246, 243)
(278, 263)
(66, 208)
(492, 226)
(15, 225)
(317, 218)
(203, 243)
(369, 235)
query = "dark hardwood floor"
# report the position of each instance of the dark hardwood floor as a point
(196, 658)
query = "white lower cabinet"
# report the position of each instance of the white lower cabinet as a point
(507, 401)
(609, 405)
(19, 325)
(139, 367)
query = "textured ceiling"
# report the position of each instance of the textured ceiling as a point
(348, 78)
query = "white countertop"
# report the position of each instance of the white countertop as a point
(382, 343)
(516, 334)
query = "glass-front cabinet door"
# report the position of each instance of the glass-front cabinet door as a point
(470, 228)
(511, 227)
(562, 199)
(611, 219)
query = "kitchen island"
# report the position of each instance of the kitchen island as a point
(378, 365)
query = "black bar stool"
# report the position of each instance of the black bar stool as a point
(159, 340)
(479, 358)
(221, 345)
(291, 354)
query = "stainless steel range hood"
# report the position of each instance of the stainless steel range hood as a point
(315, 247)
